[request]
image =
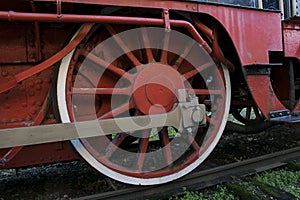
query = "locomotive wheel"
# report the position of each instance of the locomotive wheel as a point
(249, 115)
(131, 71)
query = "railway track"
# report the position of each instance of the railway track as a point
(203, 179)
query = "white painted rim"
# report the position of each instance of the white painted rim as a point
(62, 106)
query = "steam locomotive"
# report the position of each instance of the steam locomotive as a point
(141, 90)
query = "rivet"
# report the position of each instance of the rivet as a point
(4, 73)
(28, 118)
(196, 117)
(39, 103)
(48, 80)
(33, 103)
(33, 112)
(31, 93)
(31, 56)
(75, 108)
(31, 84)
(38, 87)
(22, 88)
(39, 81)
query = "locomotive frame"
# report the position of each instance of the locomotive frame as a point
(264, 71)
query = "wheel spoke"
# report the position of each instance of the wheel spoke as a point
(248, 113)
(205, 92)
(195, 145)
(256, 111)
(148, 50)
(102, 63)
(104, 91)
(117, 111)
(88, 77)
(185, 51)
(191, 140)
(164, 138)
(197, 70)
(143, 146)
(122, 45)
(164, 52)
(211, 121)
(114, 145)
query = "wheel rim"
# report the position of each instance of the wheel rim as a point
(137, 158)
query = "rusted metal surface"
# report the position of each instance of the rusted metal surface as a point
(37, 37)
(30, 94)
(38, 113)
(6, 158)
(39, 154)
(45, 64)
(15, 41)
(42, 17)
(26, 43)
(291, 37)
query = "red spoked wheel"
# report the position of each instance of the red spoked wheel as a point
(121, 71)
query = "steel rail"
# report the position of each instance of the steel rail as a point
(203, 179)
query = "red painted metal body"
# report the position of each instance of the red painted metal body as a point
(248, 31)
(38, 154)
(291, 35)
(35, 36)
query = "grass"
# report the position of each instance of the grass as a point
(221, 194)
(231, 118)
(284, 179)
(288, 181)
(7, 172)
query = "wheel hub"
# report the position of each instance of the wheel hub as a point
(155, 88)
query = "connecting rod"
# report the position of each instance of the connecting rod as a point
(185, 116)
